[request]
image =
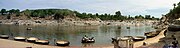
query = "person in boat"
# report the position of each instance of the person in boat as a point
(85, 37)
(91, 38)
(175, 43)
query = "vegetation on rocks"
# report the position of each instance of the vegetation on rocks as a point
(175, 12)
(61, 13)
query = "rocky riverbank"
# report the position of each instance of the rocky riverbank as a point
(79, 23)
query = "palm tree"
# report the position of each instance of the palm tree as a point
(174, 5)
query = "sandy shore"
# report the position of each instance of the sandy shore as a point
(168, 39)
(151, 41)
(17, 44)
(5, 43)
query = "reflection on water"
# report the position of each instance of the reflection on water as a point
(74, 34)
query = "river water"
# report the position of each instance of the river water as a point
(102, 34)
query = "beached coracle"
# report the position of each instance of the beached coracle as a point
(62, 43)
(174, 28)
(138, 38)
(32, 39)
(151, 34)
(4, 36)
(19, 38)
(124, 38)
(44, 42)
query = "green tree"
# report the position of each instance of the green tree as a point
(97, 14)
(118, 13)
(147, 16)
(57, 16)
(27, 12)
(17, 11)
(139, 17)
(3, 11)
(178, 4)
(11, 11)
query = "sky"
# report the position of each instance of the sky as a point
(127, 7)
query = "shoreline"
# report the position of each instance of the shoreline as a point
(151, 41)
(5, 43)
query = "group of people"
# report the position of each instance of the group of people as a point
(174, 43)
(86, 39)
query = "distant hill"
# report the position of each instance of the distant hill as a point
(57, 14)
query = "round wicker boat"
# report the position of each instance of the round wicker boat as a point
(151, 34)
(4, 36)
(87, 41)
(29, 29)
(19, 38)
(138, 38)
(124, 38)
(44, 42)
(32, 39)
(174, 28)
(128, 27)
(62, 43)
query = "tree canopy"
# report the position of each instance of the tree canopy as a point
(175, 12)
(61, 13)
(3, 11)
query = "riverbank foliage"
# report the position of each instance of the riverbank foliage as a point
(61, 13)
(175, 12)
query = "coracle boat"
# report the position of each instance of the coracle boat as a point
(119, 27)
(29, 29)
(138, 38)
(4, 36)
(88, 40)
(155, 33)
(128, 27)
(32, 39)
(62, 43)
(124, 38)
(19, 38)
(151, 34)
(174, 28)
(43, 42)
